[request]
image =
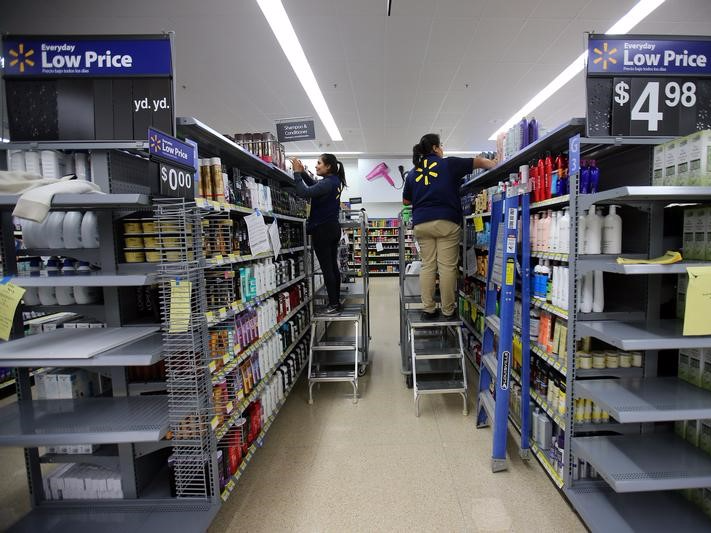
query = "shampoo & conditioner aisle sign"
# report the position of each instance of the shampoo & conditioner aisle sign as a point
(114, 57)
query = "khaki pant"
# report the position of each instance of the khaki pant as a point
(439, 249)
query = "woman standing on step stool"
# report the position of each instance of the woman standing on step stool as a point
(323, 224)
(432, 188)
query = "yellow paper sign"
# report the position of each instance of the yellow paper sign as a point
(179, 306)
(698, 302)
(10, 296)
(478, 224)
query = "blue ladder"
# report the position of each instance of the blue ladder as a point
(495, 374)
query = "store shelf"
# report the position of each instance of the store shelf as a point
(96, 279)
(651, 462)
(644, 194)
(619, 372)
(86, 201)
(556, 138)
(11, 382)
(553, 256)
(232, 259)
(608, 264)
(551, 202)
(471, 301)
(556, 363)
(106, 455)
(259, 441)
(472, 330)
(542, 304)
(545, 463)
(474, 215)
(107, 516)
(647, 399)
(85, 421)
(217, 145)
(605, 511)
(629, 336)
(478, 277)
(126, 346)
(75, 145)
(230, 366)
(543, 404)
(212, 205)
(216, 317)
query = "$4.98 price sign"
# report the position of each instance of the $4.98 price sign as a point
(654, 106)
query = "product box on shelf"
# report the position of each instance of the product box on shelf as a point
(706, 369)
(658, 165)
(692, 432)
(700, 158)
(670, 158)
(683, 368)
(682, 162)
(705, 435)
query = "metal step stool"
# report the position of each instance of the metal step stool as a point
(438, 339)
(342, 358)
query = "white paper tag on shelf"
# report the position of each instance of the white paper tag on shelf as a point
(274, 237)
(417, 245)
(258, 233)
(379, 246)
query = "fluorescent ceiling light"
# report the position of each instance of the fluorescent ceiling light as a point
(290, 154)
(633, 17)
(278, 20)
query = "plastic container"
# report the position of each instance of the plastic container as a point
(612, 232)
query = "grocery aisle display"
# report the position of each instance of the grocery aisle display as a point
(382, 240)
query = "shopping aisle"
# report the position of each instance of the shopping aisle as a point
(374, 466)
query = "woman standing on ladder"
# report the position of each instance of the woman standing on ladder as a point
(323, 223)
(432, 188)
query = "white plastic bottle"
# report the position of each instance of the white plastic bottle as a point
(593, 230)
(546, 273)
(612, 232)
(31, 296)
(553, 236)
(85, 295)
(583, 233)
(598, 293)
(532, 232)
(547, 231)
(539, 231)
(566, 280)
(586, 298)
(65, 294)
(564, 232)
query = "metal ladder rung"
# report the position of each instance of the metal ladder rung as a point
(428, 356)
(338, 375)
(489, 360)
(441, 386)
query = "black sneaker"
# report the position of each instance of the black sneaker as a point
(430, 316)
(332, 310)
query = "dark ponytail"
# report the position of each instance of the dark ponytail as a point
(335, 167)
(425, 147)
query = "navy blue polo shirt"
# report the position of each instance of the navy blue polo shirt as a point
(325, 196)
(433, 188)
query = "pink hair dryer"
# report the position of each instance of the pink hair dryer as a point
(380, 171)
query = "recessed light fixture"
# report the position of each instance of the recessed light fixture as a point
(634, 16)
(280, 24)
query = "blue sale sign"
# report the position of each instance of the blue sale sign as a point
(643, 55)
(169, 148)
(34, 56)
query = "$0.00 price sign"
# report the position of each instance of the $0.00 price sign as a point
(653, 106)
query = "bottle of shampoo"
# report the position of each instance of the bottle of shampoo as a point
(584, 177)
(598, 293)
(593, 232)
(548, 169)
(541, 180)
(586, 300)
(612, 232)
(564, 232)
(582, 233)
(594, 177)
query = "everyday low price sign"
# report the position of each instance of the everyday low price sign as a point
(176, 164)
(54, 56)
(647, 86)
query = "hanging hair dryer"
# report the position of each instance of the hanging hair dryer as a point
(381, 170)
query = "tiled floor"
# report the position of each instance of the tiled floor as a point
(374, 466)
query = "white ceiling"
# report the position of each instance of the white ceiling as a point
(459, 67)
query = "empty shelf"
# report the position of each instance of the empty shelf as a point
(608, 264)
(651, 462)
(605, 511)
(634, 400)
(659, 335)
(143, 352)
(626, 195)
(79, 345)
(86, 421)
(87, 201)
(89, 280)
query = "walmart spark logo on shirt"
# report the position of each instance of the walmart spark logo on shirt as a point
(426, 172)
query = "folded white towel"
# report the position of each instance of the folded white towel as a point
(35, 203)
